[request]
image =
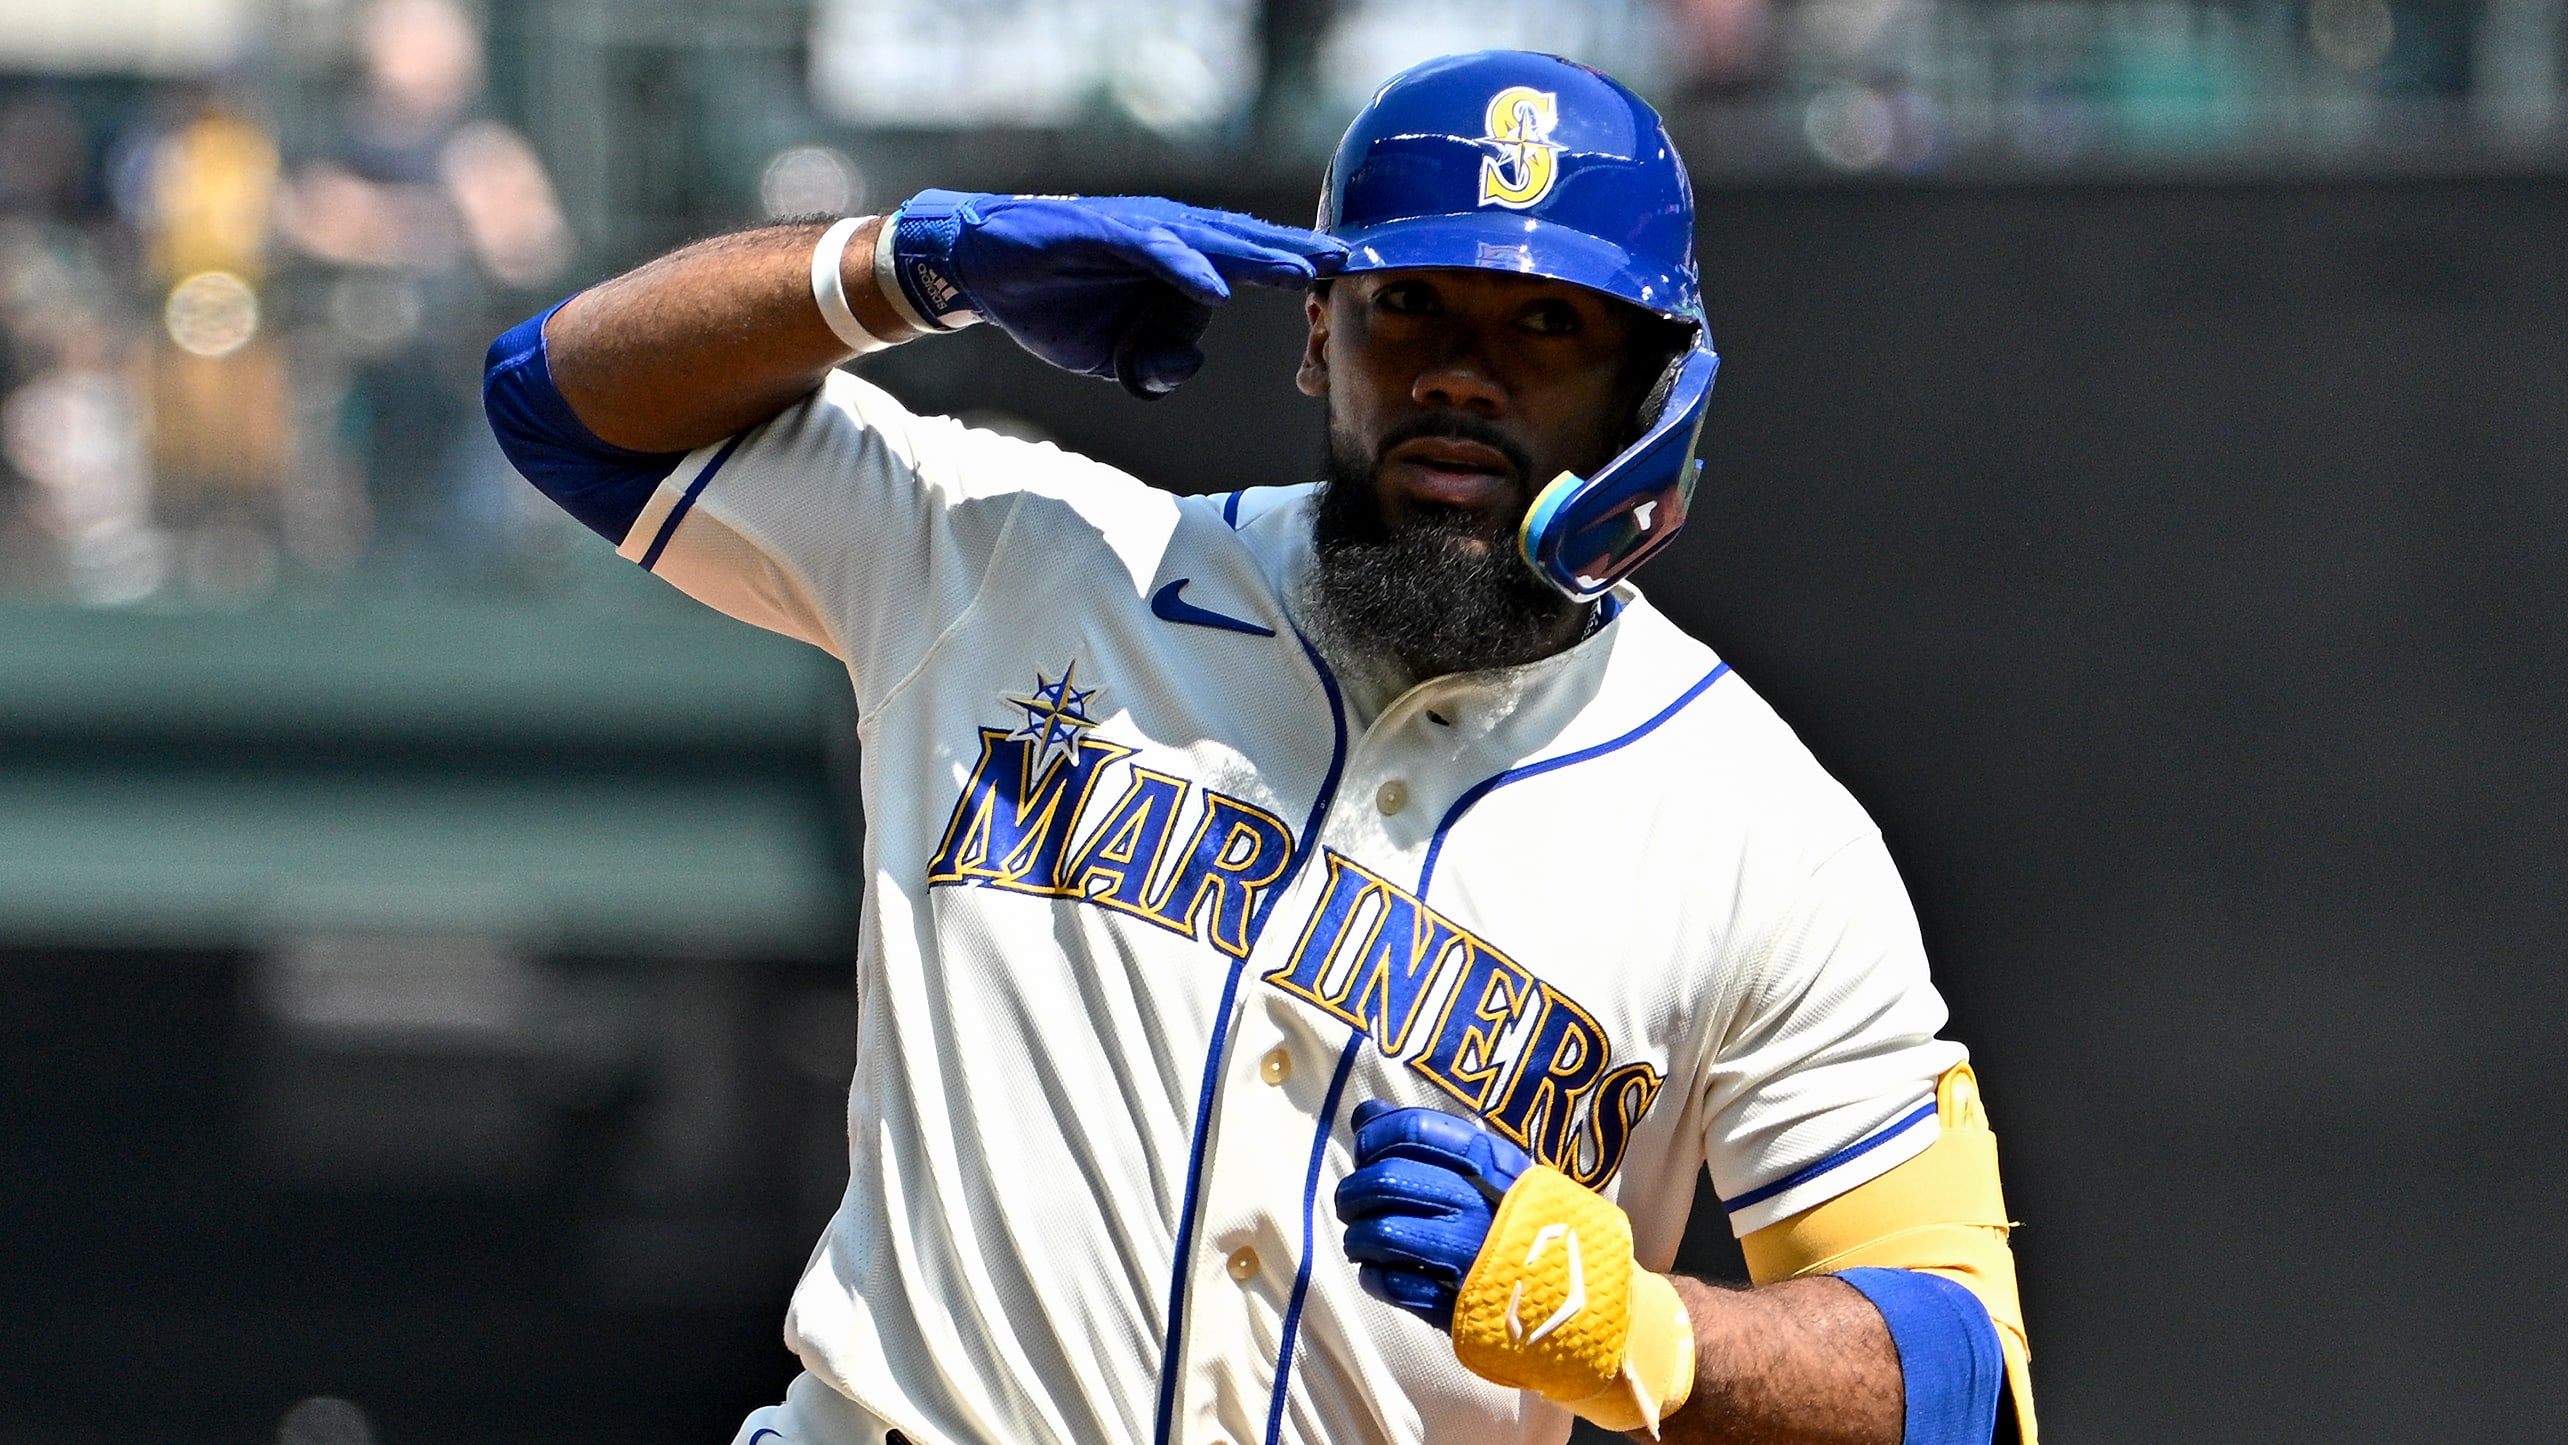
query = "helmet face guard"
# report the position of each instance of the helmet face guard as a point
(1508, 160)
(1584, 534)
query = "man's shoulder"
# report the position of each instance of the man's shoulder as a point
(1271, 523)
(1707, 698)
(1058, 500)
(981, 452)
(1264, 511)
(1729, 755)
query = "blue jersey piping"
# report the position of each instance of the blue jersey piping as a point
(1310, 1196)
(1860, 1147)
(1221, 1044)
(678, 513)
(1490, 784)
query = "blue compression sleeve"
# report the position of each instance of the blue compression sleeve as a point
(1948, 1355)
(605, 486)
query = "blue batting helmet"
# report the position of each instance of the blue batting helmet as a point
(1506, 160)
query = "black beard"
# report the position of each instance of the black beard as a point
(1447, 593)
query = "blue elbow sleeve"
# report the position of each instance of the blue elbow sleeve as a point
(603, 485)
(1948, 1354)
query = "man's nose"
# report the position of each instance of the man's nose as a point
(1460, 376)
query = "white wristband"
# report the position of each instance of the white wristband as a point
(887, 279)
(829, 288)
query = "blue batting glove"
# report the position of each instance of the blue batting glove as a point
(1119, 286)
(1418, 1206)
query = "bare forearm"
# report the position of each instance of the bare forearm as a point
(709, 339)
(1803, 1362)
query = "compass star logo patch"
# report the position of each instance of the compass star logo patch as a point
(1056, 715)
(1051, 809)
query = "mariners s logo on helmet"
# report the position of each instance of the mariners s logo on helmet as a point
(1520, 125)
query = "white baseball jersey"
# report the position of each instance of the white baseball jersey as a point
(1151, 903)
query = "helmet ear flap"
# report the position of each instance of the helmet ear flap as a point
(1654, 401)
(1584, 534)
(1665, 346)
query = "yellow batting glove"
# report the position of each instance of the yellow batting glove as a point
(1530, 1272)
(1556, 1304)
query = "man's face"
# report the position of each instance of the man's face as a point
(1454, 396)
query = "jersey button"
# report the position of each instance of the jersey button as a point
(1243, 1264)
(1276, 1067)
(1391, 797)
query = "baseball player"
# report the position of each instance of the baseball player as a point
(1315, 936)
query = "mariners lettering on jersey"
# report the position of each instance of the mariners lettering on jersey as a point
(1036, 817)
(1019, 826)
(1449, 1003)
(1526, 162)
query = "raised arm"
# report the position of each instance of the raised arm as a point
(707, 340)
(598, 400)
(725, 333)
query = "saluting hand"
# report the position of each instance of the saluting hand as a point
(1119, 286)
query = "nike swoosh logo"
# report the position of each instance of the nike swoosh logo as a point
(1167, 606)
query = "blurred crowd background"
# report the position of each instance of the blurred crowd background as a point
(2141, 470)
(250, 250)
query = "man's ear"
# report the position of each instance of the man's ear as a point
(1313, 377)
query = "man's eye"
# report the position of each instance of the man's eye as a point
(1552, 318)
(1407, 299)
